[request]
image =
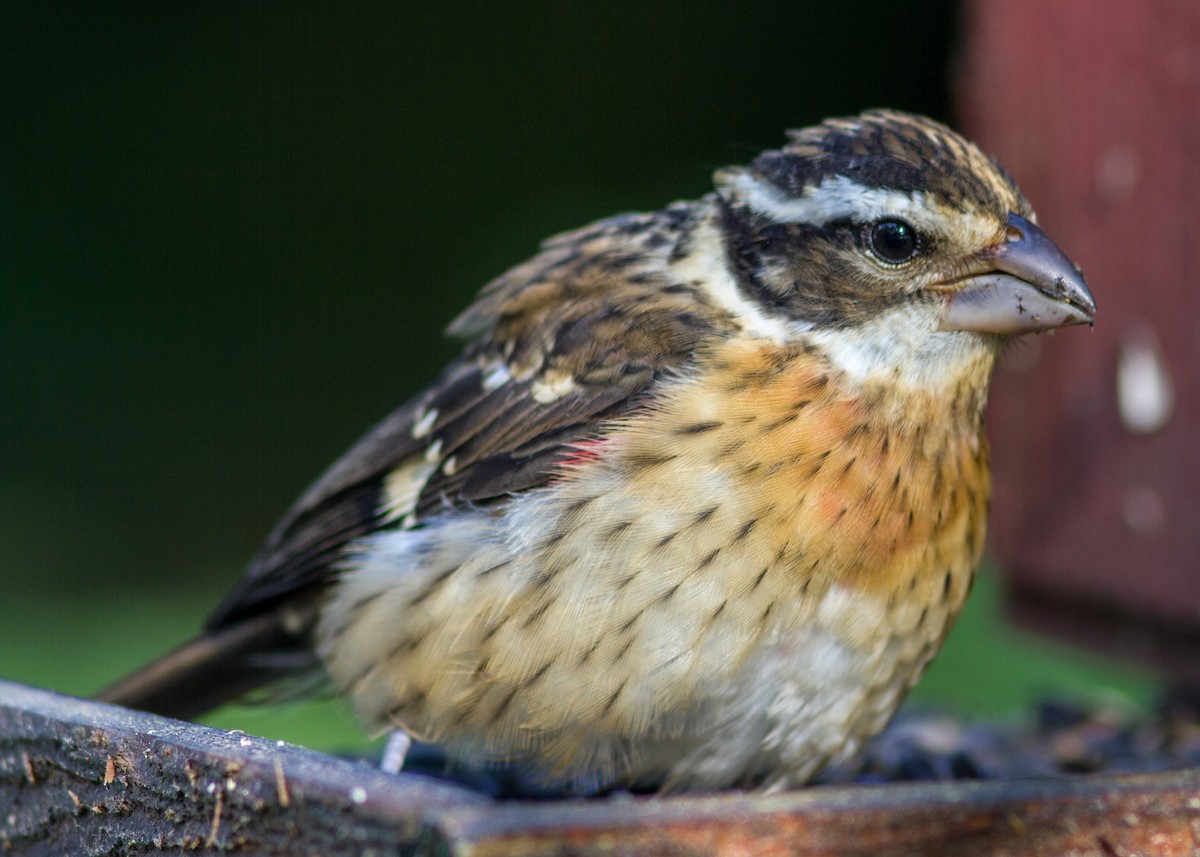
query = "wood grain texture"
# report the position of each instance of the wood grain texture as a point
(83, 778)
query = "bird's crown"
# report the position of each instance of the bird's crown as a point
(877, 151)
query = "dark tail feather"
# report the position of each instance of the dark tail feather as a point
(216, 667)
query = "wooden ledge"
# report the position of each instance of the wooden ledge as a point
(79, 777)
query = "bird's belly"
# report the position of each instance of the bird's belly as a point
(807, 699)
(690, 679)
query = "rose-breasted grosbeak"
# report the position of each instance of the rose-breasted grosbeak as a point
(702, 495)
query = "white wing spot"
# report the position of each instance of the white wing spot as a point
(423, 424)
(551, 386)
(403, 488)
(497, 376)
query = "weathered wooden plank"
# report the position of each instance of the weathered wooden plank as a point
(78, 777)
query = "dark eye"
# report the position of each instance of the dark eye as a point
(893, 241)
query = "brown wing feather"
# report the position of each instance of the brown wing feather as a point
(596, 307)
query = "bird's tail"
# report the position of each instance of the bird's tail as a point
(218, 666)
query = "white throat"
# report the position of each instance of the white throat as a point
(903, 346)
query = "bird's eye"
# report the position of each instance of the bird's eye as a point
(892, 241)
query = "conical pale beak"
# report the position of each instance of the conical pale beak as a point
(1031, 286)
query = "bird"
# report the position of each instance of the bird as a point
(699, 499)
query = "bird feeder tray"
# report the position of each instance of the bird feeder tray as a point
(83, 778)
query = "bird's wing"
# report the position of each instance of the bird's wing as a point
(558, 346)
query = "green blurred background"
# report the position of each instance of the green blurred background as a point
(230, 238)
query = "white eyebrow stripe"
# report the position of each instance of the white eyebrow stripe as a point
(834, 198)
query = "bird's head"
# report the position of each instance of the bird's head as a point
(895, 241)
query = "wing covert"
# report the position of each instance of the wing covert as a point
(561, 345)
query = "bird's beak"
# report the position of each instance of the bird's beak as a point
(1030, 285)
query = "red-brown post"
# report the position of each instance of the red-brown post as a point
(1094, 106)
